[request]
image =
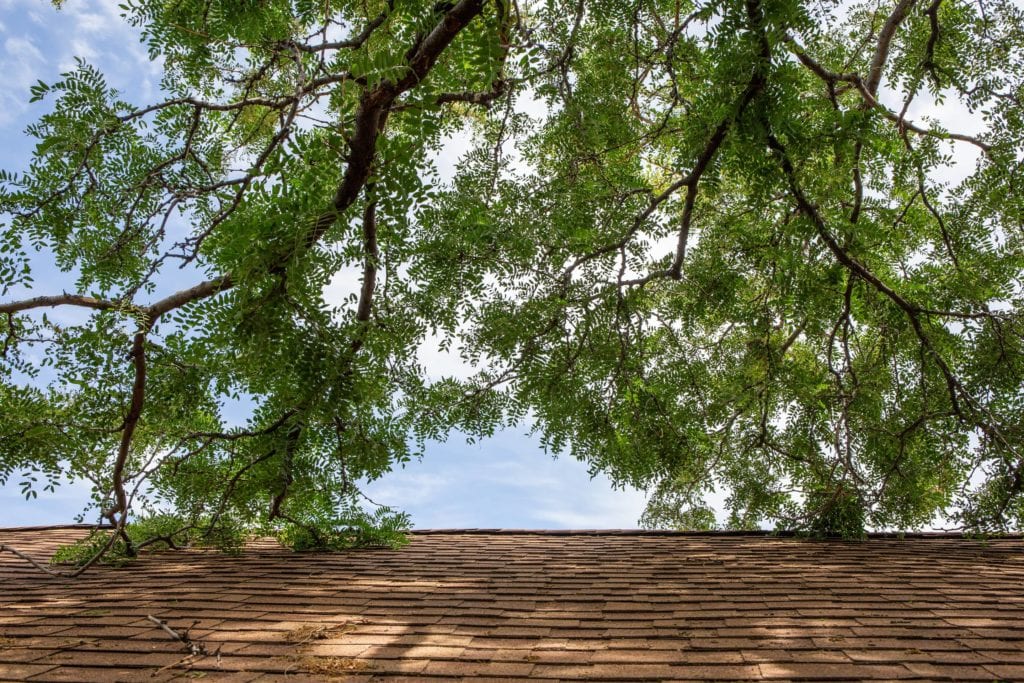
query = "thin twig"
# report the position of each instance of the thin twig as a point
(195, 649)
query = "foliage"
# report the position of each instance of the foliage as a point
(153, 531)
(699, 245)
(81, 551)
(354, 528)
(838, 513)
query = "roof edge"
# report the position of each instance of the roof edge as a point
(756, 533)
(52, 527)
(696, 534)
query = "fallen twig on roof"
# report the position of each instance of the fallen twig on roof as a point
(32, 562)
(196, 650)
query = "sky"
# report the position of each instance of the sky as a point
(503, 482)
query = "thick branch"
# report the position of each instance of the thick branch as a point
(477, 98)
(933, 39)
(884, 41)
(131, 421)
(58, 300)
(179, 299)
(372, 255)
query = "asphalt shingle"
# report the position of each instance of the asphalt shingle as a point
(497, 605)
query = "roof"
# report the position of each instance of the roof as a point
(568, 606)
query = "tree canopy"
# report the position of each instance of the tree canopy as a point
(697, 245)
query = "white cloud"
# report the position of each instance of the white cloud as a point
(343, 286)
(418, 489)
(596, 506)
(82, 49)
(59, 507)
(950, 115)
(452, 149)
(439, 362)
(505, 481)
(90, 22)
(20, 62)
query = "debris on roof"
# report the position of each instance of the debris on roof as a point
(506, 605)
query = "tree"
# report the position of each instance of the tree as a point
(697, 244)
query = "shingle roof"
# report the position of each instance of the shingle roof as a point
(570, 606)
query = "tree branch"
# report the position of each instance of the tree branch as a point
(885, 37)
(57, 300)
(131, 421)
(185, 296)
(371, 257)
(351, 43)
(476, 98)
(833, 77)
(860, 270)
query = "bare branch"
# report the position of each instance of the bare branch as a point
(195, 649)
(131, 421)
(42, 568)
(58, 300)
(351, 43)
(885, 37)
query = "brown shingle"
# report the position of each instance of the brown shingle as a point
(555, 606)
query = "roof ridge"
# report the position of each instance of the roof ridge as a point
(51, 527)
(712, 534)
(724, 533)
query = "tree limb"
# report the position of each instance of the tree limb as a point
(57, 300)
(131, 421)
(885, 37)
(833, 77)
(860, 270)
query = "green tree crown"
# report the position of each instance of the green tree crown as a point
(699, 245)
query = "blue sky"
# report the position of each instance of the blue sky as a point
(506, 481)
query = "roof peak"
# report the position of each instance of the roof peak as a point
(473, 531)
(709, 534)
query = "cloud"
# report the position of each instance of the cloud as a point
(20, 61)
(43, 42)
(452, 148)
(343, 289)
(505, 481)
(951, 115)
(418, 489)
(439, 362)
(59, 507)
(576, 500)
(92, 22)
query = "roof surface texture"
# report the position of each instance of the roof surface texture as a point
(504, 605)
